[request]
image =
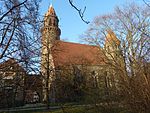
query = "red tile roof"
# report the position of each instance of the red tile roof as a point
(67, 53)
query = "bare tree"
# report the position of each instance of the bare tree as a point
(19, 37)
(130, 25)
(19, 24)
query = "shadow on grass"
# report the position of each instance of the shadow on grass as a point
(79, 109)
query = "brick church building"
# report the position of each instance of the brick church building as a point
(60, 59)
(68, 70)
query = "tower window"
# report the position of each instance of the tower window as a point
(53, 23)
(50, 22)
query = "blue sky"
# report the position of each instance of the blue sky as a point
(69, 21)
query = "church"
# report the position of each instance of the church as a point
(69, 71)
(60, 59)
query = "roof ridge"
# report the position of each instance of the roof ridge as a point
(76, 43)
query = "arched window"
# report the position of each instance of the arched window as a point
(95, 78)
(53, 22)
(50, 22)
(78, 77)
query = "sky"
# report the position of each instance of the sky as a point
(69, 21)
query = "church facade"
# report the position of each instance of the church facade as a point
(60, 59)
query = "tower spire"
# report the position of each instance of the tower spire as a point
(111, 37)
(51, 24)
(50, 11)
(51, 3)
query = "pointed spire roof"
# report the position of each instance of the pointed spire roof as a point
(50, 11)
(111, 37)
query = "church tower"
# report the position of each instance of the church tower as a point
(50, 33)
(112, 45)
(51, 30)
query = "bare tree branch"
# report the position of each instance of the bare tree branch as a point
(15, 6)
(81, 13)
(5, 32)
(146, 3)
(8, 43)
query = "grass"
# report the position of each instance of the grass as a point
(70, 110)
(90, 110)
(77, 110)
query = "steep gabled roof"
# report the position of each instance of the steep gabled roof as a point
(67, 53)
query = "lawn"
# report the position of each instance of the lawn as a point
(76, 110)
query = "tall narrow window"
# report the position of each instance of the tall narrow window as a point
(50, 22)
